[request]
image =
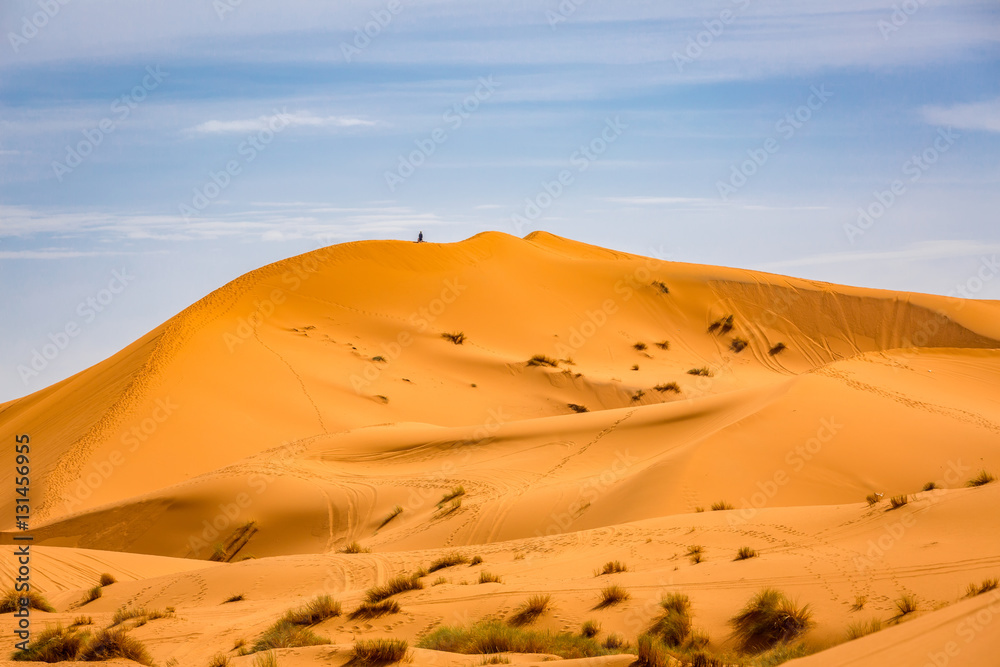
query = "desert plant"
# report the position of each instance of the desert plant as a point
(123, 614)
(284, 634)
(613, 642)
(769, 618)
(738, 344)
(448, 560)
(219, 660)
(92, 594)
(897, 501)
(611, 595)
(115, 643)
(859, 602)
(777, 349)
(611, 567)
(265, 659)
(82, 620)
(394, 586)
(396, 511)
(236, 597)
(379, 359)
(107, 579)
(12, 601)
(457, 338)
(703, 371)
(639, 347)
(981, 479)
(379, 651)
(490, 637)
(721, 505)
(637, 396)
(673, 625)
(662, 286)
(354, 548)
(542, 360)
(53, 644)
(696, 553)
(439, 581)
(456, 492)
(985, 587)
(906, 604)
(635, 367)
(530, 609)
(488, 578)
(590, 629)
(577, 408)
(929, 486)
(669, 386)
(663, 344)
(873, 498)
(315, 611)
(476, 560)
(723, 325)
(744, 553)
(375, 609)
(453, 506)
(495, 659)
(651, 652)
(862, 628)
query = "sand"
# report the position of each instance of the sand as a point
(313, 396)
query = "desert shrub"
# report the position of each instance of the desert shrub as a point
(635, 367)
(219, 660)
(703, 371)
(456, 492)
(315, 611)
(723, 325)
(379, 651)
(265, 659)
(696, 553)
(859, 602)
(663, 344)
(981, 479)
(738, 344)
(637, 396)
(577, 408)
(613, 642)
(92, 594)
(873, 498)
(862, 628)
(488, 578)
(744, 553)
(768, 619)
(123, 614)
(673, 625)
(439, 581)
(53, 644)
(379, 359)
(11, 601)
(495, 659)
(929, 486)
(669, 386)
(396, 511)
(662, 286)
(354, 548)
(453, 506)
(777, 349)
(285, 634)
(488, 637)
(82, 620)
(651, 652)
(115, 643)
(906, 604)
(611, 567)
(394, 586)
(639, 347)
(897, 501)
(369, 609)
(107, 579)
(985, 587)
(542, 360)
(457, 338)
(476, 560)
(237, 597)
(721, 505)
(611, 595)
(590, 629)
(448, 560)
(531, 609)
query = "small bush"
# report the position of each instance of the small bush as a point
(396, 511)
(456, 492)
(703, 371)
(744, 553)
(738, 344)
(720, 506)
(92, 594)
(453, 506)
(354, 548)
(394, 586)
(897, 501)
(696, 553)
(530, 610)
(723, 325)
(985, 587)
(495, 659)
(635, 367)
(490, 637)
(315, 611)
(476, 560)
(637, 396)
(285, 634)
(611, 567)
(862, 628)
(929, 486)
(12, 599)
(639, 347)
(457, 338)
(439, 581)
(238, 597)
(542, 360)
(859, 602)
(82, 620)
(613, 642)
(266, 659)
(651, 653)
(577, 408)
(376, 609)
(219, 660)
(777, 349)
(379, 651)
(107, 579)
(873, 498)
(123, 614)
(612, 595)
(669, 386)
(487, 578)
(379, 359)
(981, 479)
(769, 618)
(663, 344)
(590, 629)
(115, 643)
(673, 626)
(662, 286)
(53, 644)
(907, 604)
(449, 560)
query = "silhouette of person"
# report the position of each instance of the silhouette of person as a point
(420, 237)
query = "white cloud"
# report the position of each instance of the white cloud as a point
(655, 201)
(983, 116)
(277, 122)
(926, 250)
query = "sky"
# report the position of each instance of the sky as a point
(152, 151)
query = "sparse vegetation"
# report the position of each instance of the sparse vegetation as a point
(379, 651)
(354, 548)
(457, 338)
(696, 553)
(476, 560)
(639, 347)
(531, 609)
(287, 635)
(456, 492)
(542, 360)
(721, 506)
(985, 587)
(488, 578)
(92, 594)
(637, 396)
(982, 479)
(673, 625)
(663, 344)
(769, 619)
(859, 602)
(929, 486)
(265, 659)
(738, 344)
(611, 567)
(82, 620)
(745, 553)
(873, 498)
(662, 286)
(447, 561)
(635, 367)
(651, 652)
(905, 605)
(703, 372)
(613, 642)
(491, 637)
(862, 628)
(315, 611)
(577, 408)
(668, 386)
(376, 609)
(723, 325)
(439, 581)
(53, 644)
(115, 643)
(495, 659)
(107, 579)
(379, 359)
(12, 600)
(590, 629)
(777, 349)
(453, 506)
(612, 595)
(897, 501)
(219, 660)
(396, 511)
(394, 586)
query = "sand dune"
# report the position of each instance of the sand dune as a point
(287, 414)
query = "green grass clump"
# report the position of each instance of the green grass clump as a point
(703, 371)
(368, 609)
(862, 628)
(53, 644)
(721, 505)
(542, 360)
(612, 595)
(489, 637)
(530, 610)
(354, 548)
(611, 567)
(897, 501)
(489, 578)
(590, 629)
(985, 587)
(394, 586)
(769, 619)
(107, 579)
(669, 386)
(315, 611)
(379, 651)
(92, 594)
(115, 643)
(673, 625)
(396, 511)
(457, 338)
(982, 479)
(448, 561)
(744, 553)
(11, 601)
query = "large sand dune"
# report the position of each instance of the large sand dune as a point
(315, 395)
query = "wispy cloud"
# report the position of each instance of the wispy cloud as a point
(928, 250)
(984, 116)
(655, 201)
(279, 121)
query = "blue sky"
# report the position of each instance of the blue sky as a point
(186, 142)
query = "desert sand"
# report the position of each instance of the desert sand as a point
(289, 413)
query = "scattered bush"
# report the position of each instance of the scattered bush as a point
(612, 595)
(487, 578)
(453, 506)
(219, 660)
(439, 581)
(720, 506)
(862, 628)
(907, 604)
(723, 325)
(613, 642)
(376, 609)
(663, 344)
(929, 486)
(266, 659)
(744, 553)
(703, 371)
(873, 498)
(82, 620)
(696, 553)
(673, 626)
(590, 629)
(777, 349)
(115, 643)
(396, 511)
(379, 359)
(107, 579)
(12, 599)
(92, 594)
(542, 360)
(531, 609)
(53, 644)
(489, 637)
(394, 586)
(769, 618)
(379, 651)
(456, 492)
(123, 614)
(669, 386)
(635, 367)
(317, 610)
(738, 344)
(577, 408)
(457, 338)
(859, 602)
(495, 659)
(476, 560)
(981, 479)
(354, 548)
(662, 286)
(639, 347)
(637, 396)
(284, 634)
(447, 561)
(651, 653)
(611, 567)
(985, 587)
(897, 501)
